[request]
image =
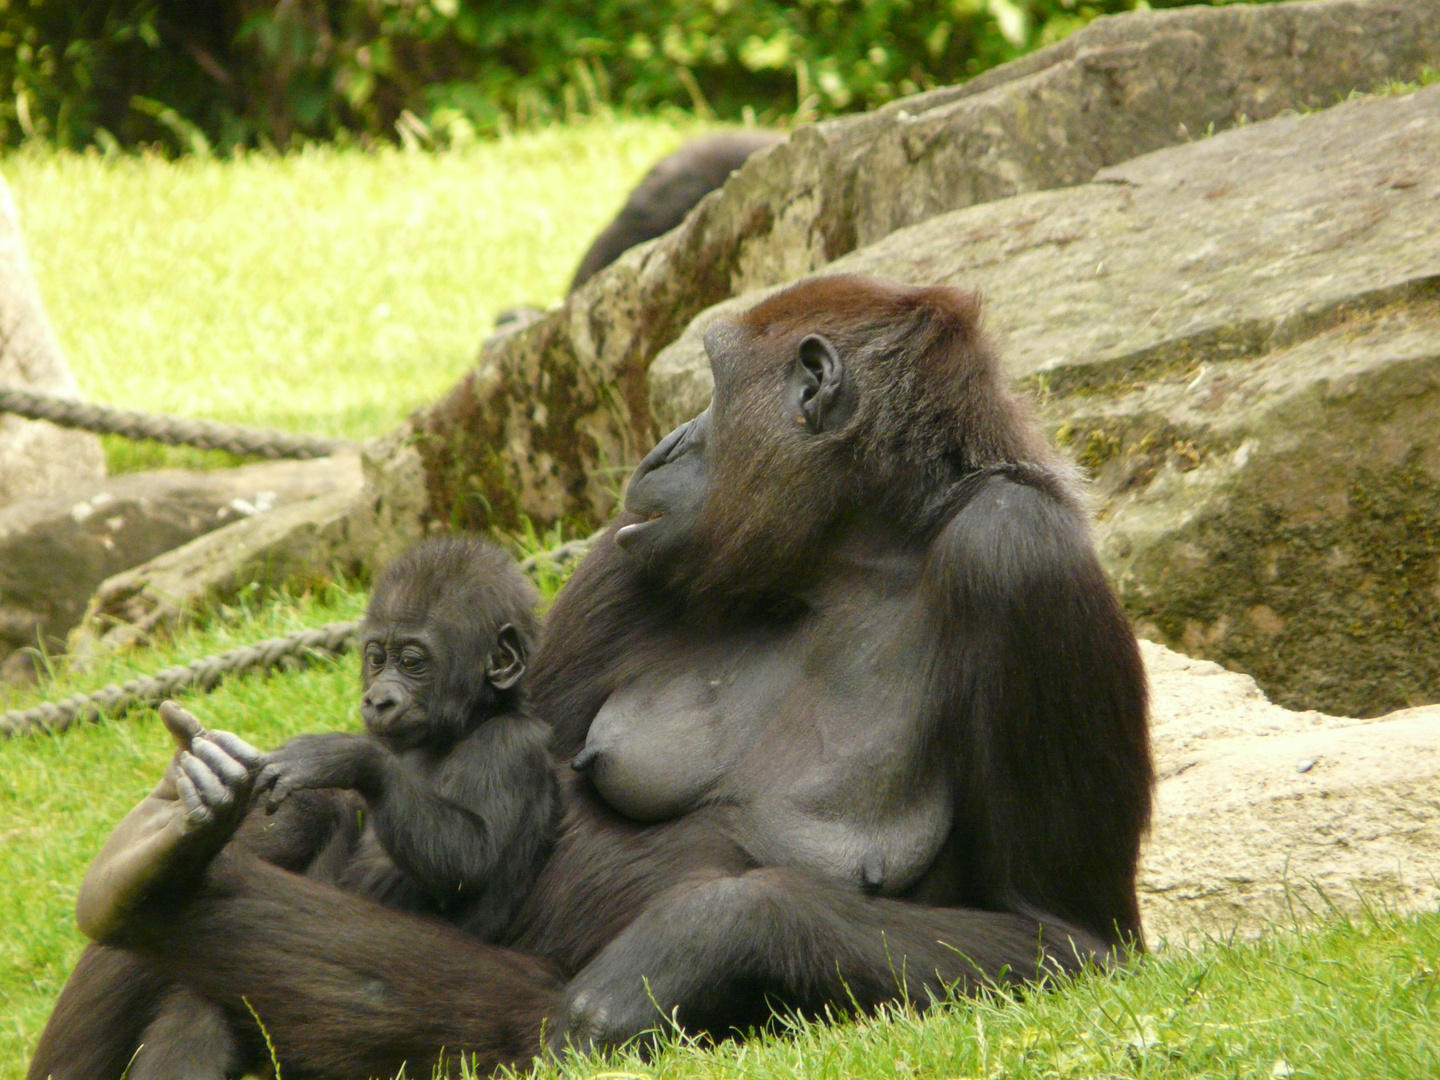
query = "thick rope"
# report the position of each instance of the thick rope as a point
(203, 675)
(173, 430)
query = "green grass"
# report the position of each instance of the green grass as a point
(248, 291)
(61, 794)
(1358, 999)
(1353, 999)
(329, 291)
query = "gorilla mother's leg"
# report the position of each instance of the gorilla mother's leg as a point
(97, 1021)
(721, 953)
(343, 986)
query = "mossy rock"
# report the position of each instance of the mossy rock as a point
(1239, 339)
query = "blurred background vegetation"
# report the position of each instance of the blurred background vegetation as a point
(194, 77)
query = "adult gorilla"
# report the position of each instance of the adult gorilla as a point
(853, 715)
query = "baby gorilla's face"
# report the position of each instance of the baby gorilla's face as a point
(423, 685)
(399, 672)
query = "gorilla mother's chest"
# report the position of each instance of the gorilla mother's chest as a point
(809, 742)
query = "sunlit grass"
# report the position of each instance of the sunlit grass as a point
(330, 291)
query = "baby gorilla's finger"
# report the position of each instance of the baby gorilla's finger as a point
(265, 780)
(237, 748)
(272, 780)
(212, 792)
(232, 773)
(196, 812)
(278, 794)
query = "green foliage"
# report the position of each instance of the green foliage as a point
(191, 77)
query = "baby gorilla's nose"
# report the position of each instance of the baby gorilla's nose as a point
(382, 702)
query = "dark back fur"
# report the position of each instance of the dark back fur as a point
(668, 192)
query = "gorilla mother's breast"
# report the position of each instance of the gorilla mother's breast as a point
(843, 787)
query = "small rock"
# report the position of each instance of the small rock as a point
(55, 551)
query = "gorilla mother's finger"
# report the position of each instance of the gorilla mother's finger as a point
(232, 773)
(181, 723)
(196, 812)
(209, 786)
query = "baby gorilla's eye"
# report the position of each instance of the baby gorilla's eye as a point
(413, 661)
(374, 656)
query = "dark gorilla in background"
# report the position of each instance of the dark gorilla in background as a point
(669, 191)
(855, 715)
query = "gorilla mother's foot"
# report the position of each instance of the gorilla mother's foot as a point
(174, 832)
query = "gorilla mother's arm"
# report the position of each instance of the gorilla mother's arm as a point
(344, 987)
(1044, 705)
(719, 955)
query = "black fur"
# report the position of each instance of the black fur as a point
(849, 656)
(668, 192)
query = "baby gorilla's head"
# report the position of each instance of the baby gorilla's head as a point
(449, 628)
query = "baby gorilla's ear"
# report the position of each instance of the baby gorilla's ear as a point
(507, 662)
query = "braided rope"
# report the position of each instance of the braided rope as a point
(202, 675)
(172, 430)
(205, 674)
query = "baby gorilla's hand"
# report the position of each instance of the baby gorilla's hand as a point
(332, 760)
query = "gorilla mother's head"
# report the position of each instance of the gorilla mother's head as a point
(840, 404)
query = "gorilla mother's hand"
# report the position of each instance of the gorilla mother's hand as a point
(175, 830)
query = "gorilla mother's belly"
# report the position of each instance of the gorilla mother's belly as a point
(817, 764)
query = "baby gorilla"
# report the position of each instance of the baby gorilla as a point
(456, 803)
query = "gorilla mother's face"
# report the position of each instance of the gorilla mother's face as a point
(668, 489)
(740, 491)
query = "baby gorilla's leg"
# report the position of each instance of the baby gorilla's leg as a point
(189, 1039)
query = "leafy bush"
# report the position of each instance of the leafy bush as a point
(192, 76)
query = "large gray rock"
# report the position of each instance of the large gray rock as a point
(547, 422)
(55, 551)
(36, 458)
(1240, 337)
(1265, 817)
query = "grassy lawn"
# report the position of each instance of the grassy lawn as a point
(332, 292)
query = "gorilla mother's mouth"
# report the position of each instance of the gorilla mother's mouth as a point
(626, 532)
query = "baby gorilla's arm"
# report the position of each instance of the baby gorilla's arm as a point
(172, 835)
(437, 836)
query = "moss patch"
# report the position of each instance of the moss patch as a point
(1121, 453)
(1341, 615)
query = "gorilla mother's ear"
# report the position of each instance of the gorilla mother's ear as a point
(507, 662)
(823, 396)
